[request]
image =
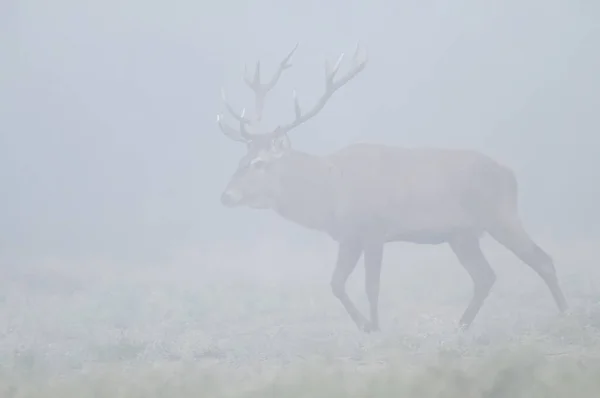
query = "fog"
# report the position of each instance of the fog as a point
(110, 152)
(109, 140)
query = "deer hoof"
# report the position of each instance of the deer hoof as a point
(463, 327)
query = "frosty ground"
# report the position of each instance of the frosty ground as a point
(259, 320)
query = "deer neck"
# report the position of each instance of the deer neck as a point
(306, 191)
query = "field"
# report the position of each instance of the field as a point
(260, 321)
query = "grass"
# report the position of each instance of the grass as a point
(261, 322)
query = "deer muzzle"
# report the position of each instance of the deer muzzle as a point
(230, 198)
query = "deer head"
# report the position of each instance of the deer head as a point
(255, 183)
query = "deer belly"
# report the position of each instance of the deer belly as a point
(432, 225)
(426, 237)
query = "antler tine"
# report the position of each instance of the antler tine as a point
(357, 67)
(336, 67)
(331, 87)
(242, 135)
(356, 52)
(254, 84)
(229, 131)
(297, 108)
(239, 118)
(243, 131)
(283, 65)
(262, 89)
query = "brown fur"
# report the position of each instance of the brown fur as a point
(367, 195)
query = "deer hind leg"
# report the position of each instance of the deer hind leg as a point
(373, 260)
(513, 236)
(349, 253)
(467, 250)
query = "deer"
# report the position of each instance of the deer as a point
(367, 195)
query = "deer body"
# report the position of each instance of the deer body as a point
(367, 195)
(376, 192)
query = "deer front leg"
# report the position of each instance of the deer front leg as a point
(373, 259)
(348, 254)
(469, 254)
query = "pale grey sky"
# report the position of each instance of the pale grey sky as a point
(107, 117)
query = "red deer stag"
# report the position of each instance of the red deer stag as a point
(366, 195)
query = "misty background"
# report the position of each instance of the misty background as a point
(109, 146)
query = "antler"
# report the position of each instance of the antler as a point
(262, 89)
(331, 87)
(240, 135)
(260, 92)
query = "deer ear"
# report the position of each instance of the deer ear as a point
(281, 143)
